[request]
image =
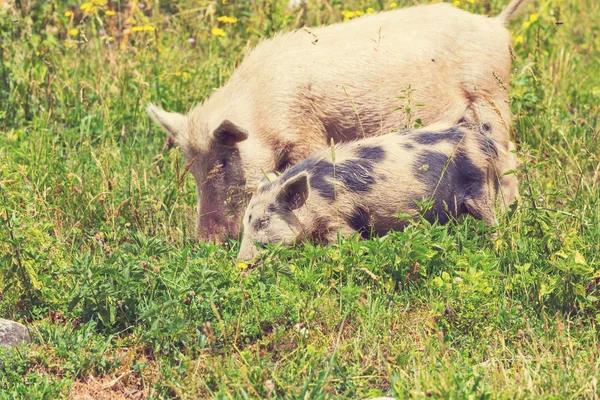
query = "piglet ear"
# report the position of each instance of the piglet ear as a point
(173, 123)
(229, 133)
(295, 191)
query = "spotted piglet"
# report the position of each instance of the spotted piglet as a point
(362, 186)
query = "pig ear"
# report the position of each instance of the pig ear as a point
(173, 123)
(295, 191)
(229, 133)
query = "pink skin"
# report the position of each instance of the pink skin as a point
(221, 187)
(217, 222)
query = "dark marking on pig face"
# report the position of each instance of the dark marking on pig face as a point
(355, 175)
(221, 176)
(221, 186)
(452, 135)
(407, 146)
(360, 220)
(449, 181)
(215, 156)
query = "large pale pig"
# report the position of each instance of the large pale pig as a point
(362, 186)
(297, 92)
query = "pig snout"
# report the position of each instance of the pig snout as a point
(218, 229)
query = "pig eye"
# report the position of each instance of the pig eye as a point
(223, 163)
(263, 223)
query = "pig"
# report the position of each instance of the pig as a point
(299, 91)
(362, 186)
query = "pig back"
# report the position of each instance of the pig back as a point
(343, 80)
(373, 180)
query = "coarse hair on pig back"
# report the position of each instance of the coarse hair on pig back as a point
(357, 174)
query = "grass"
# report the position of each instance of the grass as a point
(98, 257)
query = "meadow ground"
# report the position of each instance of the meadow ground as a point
(98, 257)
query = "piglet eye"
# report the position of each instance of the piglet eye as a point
(223, 163)
(263, 223)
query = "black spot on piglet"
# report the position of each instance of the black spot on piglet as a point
(357, 175)
(452, 135)
(371, 153)
(450, 181)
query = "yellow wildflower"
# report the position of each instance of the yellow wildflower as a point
(348, 15)
(456, 3)
(68, 13)
(241, 265)
(359, 13)
(227, 20)
(393, 5)
(218, 32)
(186, 76)
(370, 10)
(471, 1)
(519, 39)
(73, 32)
(110, 13)
(100, 2)
(88, 7)
(143, 28)
(533, 17)
(526, 24)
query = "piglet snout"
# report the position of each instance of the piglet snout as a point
(247, 251)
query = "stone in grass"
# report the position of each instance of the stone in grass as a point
(12, 333)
